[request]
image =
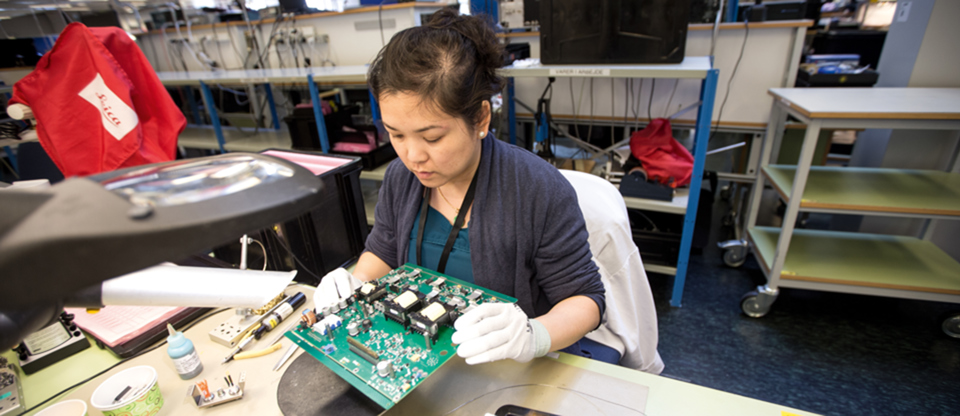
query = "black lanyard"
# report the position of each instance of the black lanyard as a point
(457, 224)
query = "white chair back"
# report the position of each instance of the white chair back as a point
(629, 324)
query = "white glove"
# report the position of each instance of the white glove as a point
(336, 285)
(495, 331)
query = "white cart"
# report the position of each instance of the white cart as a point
(860, 263)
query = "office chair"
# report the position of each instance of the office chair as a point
(629, 323)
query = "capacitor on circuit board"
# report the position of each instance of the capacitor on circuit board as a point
(385, 369)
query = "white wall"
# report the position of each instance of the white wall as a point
(919, 52)
(348, 45)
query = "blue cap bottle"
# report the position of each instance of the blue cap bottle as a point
(184, 356)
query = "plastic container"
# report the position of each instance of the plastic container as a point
(65, 408)
(184, 356)
(143, 397)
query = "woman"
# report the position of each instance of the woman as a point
(490, 213)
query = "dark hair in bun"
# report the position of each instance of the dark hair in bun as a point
(450, 62)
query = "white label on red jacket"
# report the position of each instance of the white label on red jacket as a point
(117, 117)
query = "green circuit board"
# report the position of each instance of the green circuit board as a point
(394, 332)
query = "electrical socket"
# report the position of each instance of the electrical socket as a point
(232, 330)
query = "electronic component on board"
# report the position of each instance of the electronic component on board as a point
(372, 292)
(428, 320)
(475, 295)
(457, 303)
(308, 318)
(369, 340)
(385, 369)
(399, 308)
(363, 351)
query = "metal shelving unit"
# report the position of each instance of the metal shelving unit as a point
(685, 202)
(862, 263)
(240, 139)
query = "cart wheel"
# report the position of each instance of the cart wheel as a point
(751, 305)
(951, 325)
(734, 257)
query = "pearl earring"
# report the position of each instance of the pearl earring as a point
(483, 134)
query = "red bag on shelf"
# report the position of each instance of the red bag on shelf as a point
(99, 104)
(665, 160)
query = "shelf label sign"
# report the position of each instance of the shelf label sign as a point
(580, 72)
(253, 80)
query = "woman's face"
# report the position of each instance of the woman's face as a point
(437, 147)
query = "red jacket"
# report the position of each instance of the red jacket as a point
(99, 104)
(665, 160)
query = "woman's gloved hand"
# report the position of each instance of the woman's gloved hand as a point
(495, 331)
(336, 285)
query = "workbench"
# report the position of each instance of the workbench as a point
(665, 396)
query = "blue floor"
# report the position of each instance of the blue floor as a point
(828, 353)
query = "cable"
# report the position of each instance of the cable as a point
(590, 124)
(5, 34)
(264, 253)
(12, 170)
(613, 112)
(78, 384)
(666, 111)
(626, 103)
(653, 89)
(216, 38)
(297, 260)
(743, 47)
(380, 19)
(541, 385)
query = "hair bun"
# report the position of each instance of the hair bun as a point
(476, 29)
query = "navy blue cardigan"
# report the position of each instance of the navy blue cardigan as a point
(528, 238)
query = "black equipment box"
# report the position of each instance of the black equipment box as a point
(330, 235)
(657, 236)
(864, 79)
(304, 134)
(613, 31)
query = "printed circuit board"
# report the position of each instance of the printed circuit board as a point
(393, 332)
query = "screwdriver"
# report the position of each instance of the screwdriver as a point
(269, 322)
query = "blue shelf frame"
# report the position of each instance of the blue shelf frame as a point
(708, 92)
(215, 115)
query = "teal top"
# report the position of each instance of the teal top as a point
(435, 235)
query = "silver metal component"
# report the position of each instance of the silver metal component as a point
(951, 325)
(734, 252)
(286, 356)
(385, 369)
(426, 340)
(353, 329)
(757, 304)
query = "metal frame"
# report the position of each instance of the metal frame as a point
(775, 132)
(318, 115)
(692, 67)
(214, 116)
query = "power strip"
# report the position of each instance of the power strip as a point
(231, 331)
(11, 395)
